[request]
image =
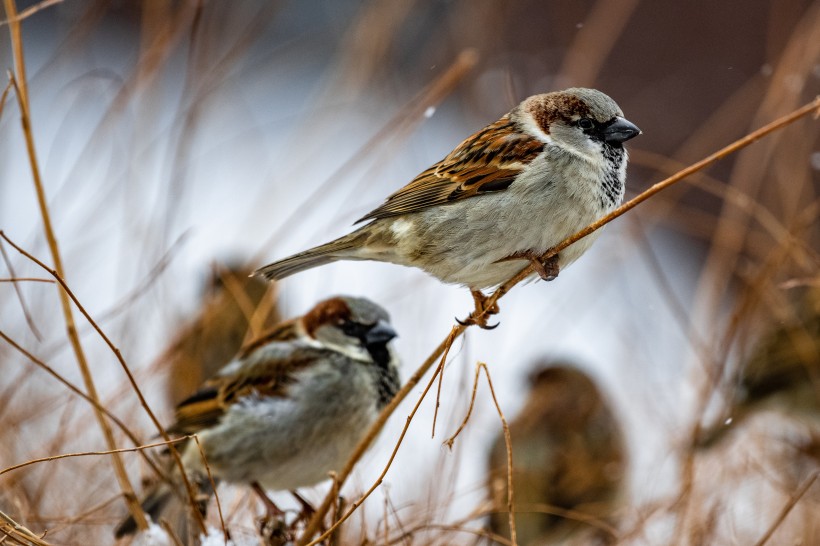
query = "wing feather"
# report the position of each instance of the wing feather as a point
(487, 161)
(266, 371)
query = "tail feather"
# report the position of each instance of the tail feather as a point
(153, 505)
(169, 504)
(320, 255)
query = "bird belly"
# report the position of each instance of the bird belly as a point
(500, 225)
(294, 441)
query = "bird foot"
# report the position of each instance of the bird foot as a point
(547, 269)
(482, 312)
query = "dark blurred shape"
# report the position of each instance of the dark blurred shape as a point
(215, 334)
(787, 359)
(568, 455)
(783, 371)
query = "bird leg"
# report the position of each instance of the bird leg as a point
(482, 311)
(547, 269)
(307, 509)
(270, 507)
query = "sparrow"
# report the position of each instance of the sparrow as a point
(781, 373)
(567, 454)
(505, 196)
(290, 407)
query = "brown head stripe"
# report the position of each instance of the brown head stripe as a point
(326, 312)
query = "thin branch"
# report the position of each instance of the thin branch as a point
(19, 82)
(507, 445)
(417, 376)
(48, 369)
(171, 448)
(213, 487)
(26, 13)
(20, 298)
(19, 533)
(3, 98)
(457, 331)
(27, 279)
(90, 453)
(795, 498)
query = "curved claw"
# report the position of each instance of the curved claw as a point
(469, 321)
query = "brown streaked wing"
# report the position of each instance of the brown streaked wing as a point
(204, 408)
(487, 161)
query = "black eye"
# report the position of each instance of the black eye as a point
(354, 329)
(585, 123)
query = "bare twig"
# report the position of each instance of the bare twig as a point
(365, 443)
(91, 453)
(171, 448)
(792, 502)
(28, 12)
(19, 293)
(507, 445)
(19, 81)
(457, 331)
(19, 533)
(48, 369)
(213, 487)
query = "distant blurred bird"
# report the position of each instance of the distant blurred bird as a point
(568, 454)
(292, 406)
(783, 371)
(504, 196)
(216, 333)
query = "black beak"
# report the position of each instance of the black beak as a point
(620, 131)
(381, 332)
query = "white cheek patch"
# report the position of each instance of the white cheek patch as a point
(535, 130)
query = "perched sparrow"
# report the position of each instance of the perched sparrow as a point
(568, 455)
(292, 406)
(216, 333)
(506, 195)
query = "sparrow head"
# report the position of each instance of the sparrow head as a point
(582, 121)
(349, 322)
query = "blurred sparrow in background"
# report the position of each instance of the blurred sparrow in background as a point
(291, 407)
(783, 371)
(216, 333)
(504, 196)
(568, 455)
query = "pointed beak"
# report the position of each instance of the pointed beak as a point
(620, 131)
(381, 332)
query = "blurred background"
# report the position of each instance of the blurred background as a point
(182, 140)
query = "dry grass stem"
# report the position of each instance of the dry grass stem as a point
(507, 445)
(20, 298)
(90, 453)
(171, 448)
(94, 403)
(18, 533)
(213, 486)
(784, 512)
(4, 96)
(19, 82)
(417, 376)
(28, 12)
